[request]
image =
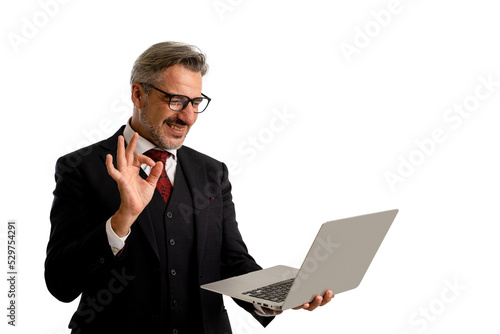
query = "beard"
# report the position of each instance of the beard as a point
(157, 133)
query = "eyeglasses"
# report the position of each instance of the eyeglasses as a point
(180, 102)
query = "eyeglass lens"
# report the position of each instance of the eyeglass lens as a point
(178, 103)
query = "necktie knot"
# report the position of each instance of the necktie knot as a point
(157, 155)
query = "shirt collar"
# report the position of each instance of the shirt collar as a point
(143, 145)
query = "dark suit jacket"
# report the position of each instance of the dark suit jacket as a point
(122, 294)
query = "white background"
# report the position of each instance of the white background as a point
(351, 119)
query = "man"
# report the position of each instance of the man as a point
(139, 221)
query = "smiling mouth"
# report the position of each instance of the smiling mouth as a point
(176, 124)
(175, 127)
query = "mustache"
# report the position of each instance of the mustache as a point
(174, 120)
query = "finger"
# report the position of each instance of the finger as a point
(315, 303)
(155, 173)
(140, 159)
(121, 161)
(129, 152)
(111, 169)
(303, 306)
(327, 297)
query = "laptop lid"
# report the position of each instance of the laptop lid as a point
(339, 256)
(337, 260)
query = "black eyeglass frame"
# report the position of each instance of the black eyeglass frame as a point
(170, 96)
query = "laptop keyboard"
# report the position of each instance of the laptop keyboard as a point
(275, 292)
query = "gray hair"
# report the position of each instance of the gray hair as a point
(151, 63)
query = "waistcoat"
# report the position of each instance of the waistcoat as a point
(175, 237)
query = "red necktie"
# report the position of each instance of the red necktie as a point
(163, 185)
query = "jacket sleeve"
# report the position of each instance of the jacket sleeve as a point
(235, 259)
(78, 250)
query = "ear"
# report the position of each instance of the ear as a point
(138, 97)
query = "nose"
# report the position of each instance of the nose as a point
(187, 115)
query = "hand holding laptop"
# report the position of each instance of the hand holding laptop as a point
(318, 301)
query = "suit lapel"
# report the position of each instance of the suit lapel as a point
(196, 178)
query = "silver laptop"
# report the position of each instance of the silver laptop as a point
(337, 260)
